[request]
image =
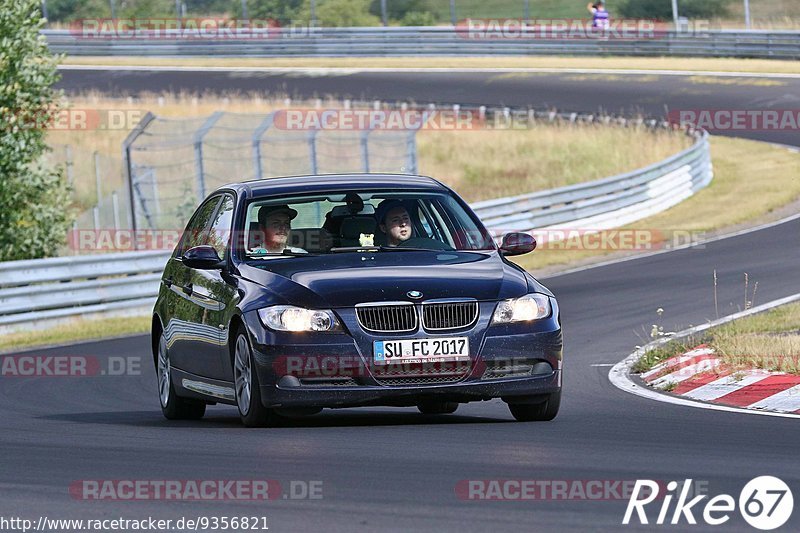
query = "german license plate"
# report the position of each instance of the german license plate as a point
(421, 350)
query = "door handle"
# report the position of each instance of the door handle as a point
(188, 289)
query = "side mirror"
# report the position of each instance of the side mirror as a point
(202, 258)
(517, 244)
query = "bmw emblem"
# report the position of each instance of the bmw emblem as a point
(416, 295)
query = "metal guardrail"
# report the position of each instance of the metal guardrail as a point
(609, 202)
(431, 40)
(43, 292)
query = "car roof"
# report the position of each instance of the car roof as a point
(334, 182)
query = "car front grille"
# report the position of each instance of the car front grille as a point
(422, 373)
(387, 318)
(449, 315)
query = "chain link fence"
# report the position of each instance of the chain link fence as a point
(172, 164)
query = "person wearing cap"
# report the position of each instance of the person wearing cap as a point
(394, 221)
(275, 222)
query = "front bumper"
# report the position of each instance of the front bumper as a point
(335, 370)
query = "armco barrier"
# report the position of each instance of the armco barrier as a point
(41, 292)
(432, 41)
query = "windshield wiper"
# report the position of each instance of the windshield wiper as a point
(343, 249)
(287, 253)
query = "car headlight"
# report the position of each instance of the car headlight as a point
(290, 318)
(529, 307)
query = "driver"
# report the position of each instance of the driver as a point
(394, 221)
(276, 224)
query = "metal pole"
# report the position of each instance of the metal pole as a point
(365, 150)
(257, 135)
(128, 164)
(113, 5)
(70, 174)
(178, 12)
(453, 12)
(244, 9)
(675, 14)
(527, 13)
(747, 14)
(312, 151)
(313, 12)
(97, 176)
(198, 153)
(44, 8)
(384, 17)
(115, 208)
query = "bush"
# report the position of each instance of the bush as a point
(662, 9)
(34, 216)
(340, 13)
(418, 18)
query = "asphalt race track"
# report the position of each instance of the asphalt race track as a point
(397, 470)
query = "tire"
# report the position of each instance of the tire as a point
(538, 412)
(433, 407)
(247, 388)
(173, 406)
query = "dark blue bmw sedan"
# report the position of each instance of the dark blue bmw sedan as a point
(289, 295)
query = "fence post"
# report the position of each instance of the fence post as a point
(115, 208)
(312, 150)
(365, 149)
(198, 153)
(384, 16)
(257, 134)
(411, 151)
(453, 12)
(747, 14)
(98, 187)
(70, 173)
(128, 164)
(527, 10)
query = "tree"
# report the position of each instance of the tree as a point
(34, 199)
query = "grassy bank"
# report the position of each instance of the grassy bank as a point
(757, 178)
(768, 341)
(757, 66)
(75, 331)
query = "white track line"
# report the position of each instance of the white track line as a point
(447, 70)
(620, 377)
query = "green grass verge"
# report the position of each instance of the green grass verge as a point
(757, 178)
(75, 331)
(757, 66)
(768, 341)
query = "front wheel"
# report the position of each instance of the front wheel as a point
(173, 406)
(537, 412)
(248, 392)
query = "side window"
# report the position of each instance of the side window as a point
(220, 233)
(195, 233)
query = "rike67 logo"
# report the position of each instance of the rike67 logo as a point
(765, 503)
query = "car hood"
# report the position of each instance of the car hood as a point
(344, 280)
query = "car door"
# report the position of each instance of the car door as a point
(187, 330)
(214, 294)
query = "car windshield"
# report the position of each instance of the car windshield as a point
(361, 221)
